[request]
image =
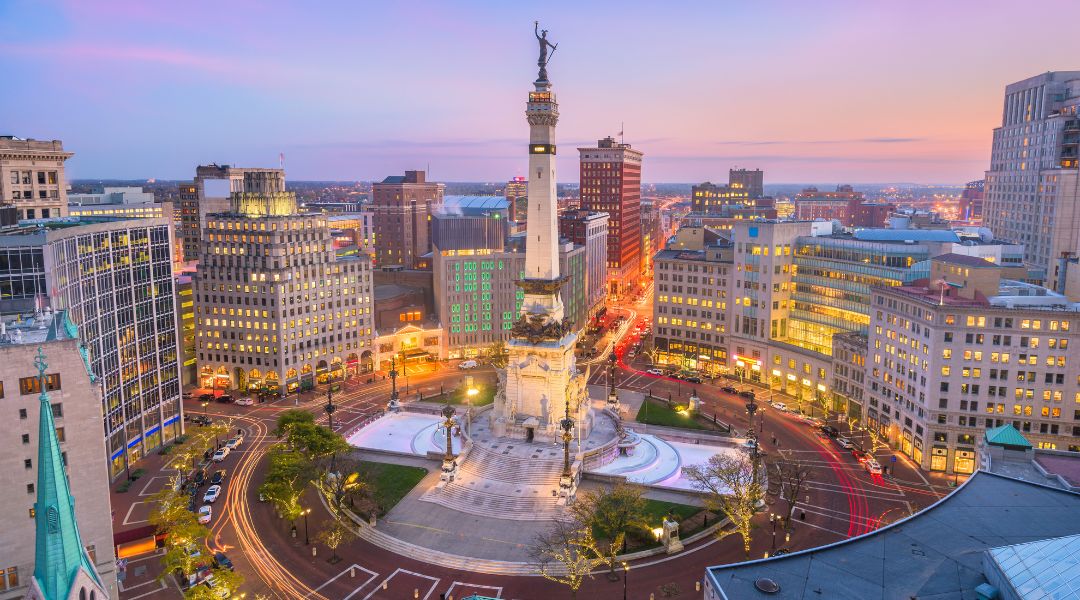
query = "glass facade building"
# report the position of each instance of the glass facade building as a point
(114, 278)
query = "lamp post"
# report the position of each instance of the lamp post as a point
(449, 468)
(307, 539)
(613, 397)
(567, 424)
(394, 402)
(773, 520)
(625, 572)
(330, 408)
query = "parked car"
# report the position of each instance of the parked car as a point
(212, 494)
(727, 389)
(468, 364)
(245, 402)
(225, 398)
(747, 394)
(830, 431)
(859, 455)
(235, 442)
(206, 397)
(221, 454)
(872, 466)
(844, 443)
(218, 478)
(692, 379)
(654, 372)
(222, 562)
(200, 477)
(780, 406)
(186, 395)
(205, 514)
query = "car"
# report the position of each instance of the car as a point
(225, 398)
(780, 406)
(186, 395)
(218, 478)
(654, 372)
(212, 494)
(222, 562)
(692, 379)
(206, 397)
(747, 394)
(205, 514)
(245, 402)
(872, 466)
(200, 477)
(727, 389)
(830, 431)
(220, 455)
(468, 364)
(234, 443)
(844, 443)
(859, 455)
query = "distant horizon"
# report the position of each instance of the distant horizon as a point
(844, 91)
(288, 181)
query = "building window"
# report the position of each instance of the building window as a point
(22, 413)
(57, 410)
(29, 488)
(32, 385)
(26, 438)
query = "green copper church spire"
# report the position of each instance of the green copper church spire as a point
(59, 554)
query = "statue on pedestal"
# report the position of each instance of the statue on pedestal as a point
(545, 56)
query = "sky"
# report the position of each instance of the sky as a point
(822, 91)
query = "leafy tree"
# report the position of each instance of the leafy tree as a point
(287, 476)
(224, 581)
(333, 534)
(613, 514)
(289, 418)
(351, 488)
(183, 532)
(566, 554)
(315, 441)
(732, 488)
(497, 354)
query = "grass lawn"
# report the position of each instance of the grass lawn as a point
(656, 509)
(391, 482)
(485, 395)
(655, 412)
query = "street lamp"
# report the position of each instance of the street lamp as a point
(773, 520)
(394, 403)
(307, 539)
(625, 572)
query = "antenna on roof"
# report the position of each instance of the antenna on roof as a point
(281, 160)
(622, 132)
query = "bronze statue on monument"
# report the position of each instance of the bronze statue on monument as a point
(545, 56)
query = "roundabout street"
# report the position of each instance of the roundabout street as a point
(841, 500)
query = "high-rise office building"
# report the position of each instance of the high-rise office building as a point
(50, 546)
(590, 230)
(276, 309)
(403, 206)
(751, 180)
(114, 279)
(210, 192)
(1032, 189)
(126, 203)
(610, 180)
(32, 177)
(517, 194)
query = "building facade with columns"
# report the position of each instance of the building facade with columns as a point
(32, 177)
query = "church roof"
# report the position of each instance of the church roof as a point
(59, 553)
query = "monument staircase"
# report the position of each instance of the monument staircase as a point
(505, 480)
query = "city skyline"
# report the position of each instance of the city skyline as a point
(908, 95)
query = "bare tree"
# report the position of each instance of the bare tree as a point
(732, 488)
(787, 480)
(612, 513)
(566, 554)
(333, 534)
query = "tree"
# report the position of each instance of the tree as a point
(224, 585)
(351, 488)
(613, 514)
(566, 554)
(333, 534)
(287, 476)
(732, 488)
(287, 419)
(497, 354)
(183, 532)
(787, 480)
(315, 442)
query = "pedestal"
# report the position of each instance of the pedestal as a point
(672, 543)
(449, 470)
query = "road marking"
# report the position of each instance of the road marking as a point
(161, 586)
(434, 582)
(348, 569)
(473, 587)
(127, 517)
(149, 483)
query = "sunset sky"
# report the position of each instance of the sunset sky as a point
(809, 91)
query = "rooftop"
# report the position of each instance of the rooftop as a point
(48, 326)
(936, 553)
(965, 260)
(472, 205)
